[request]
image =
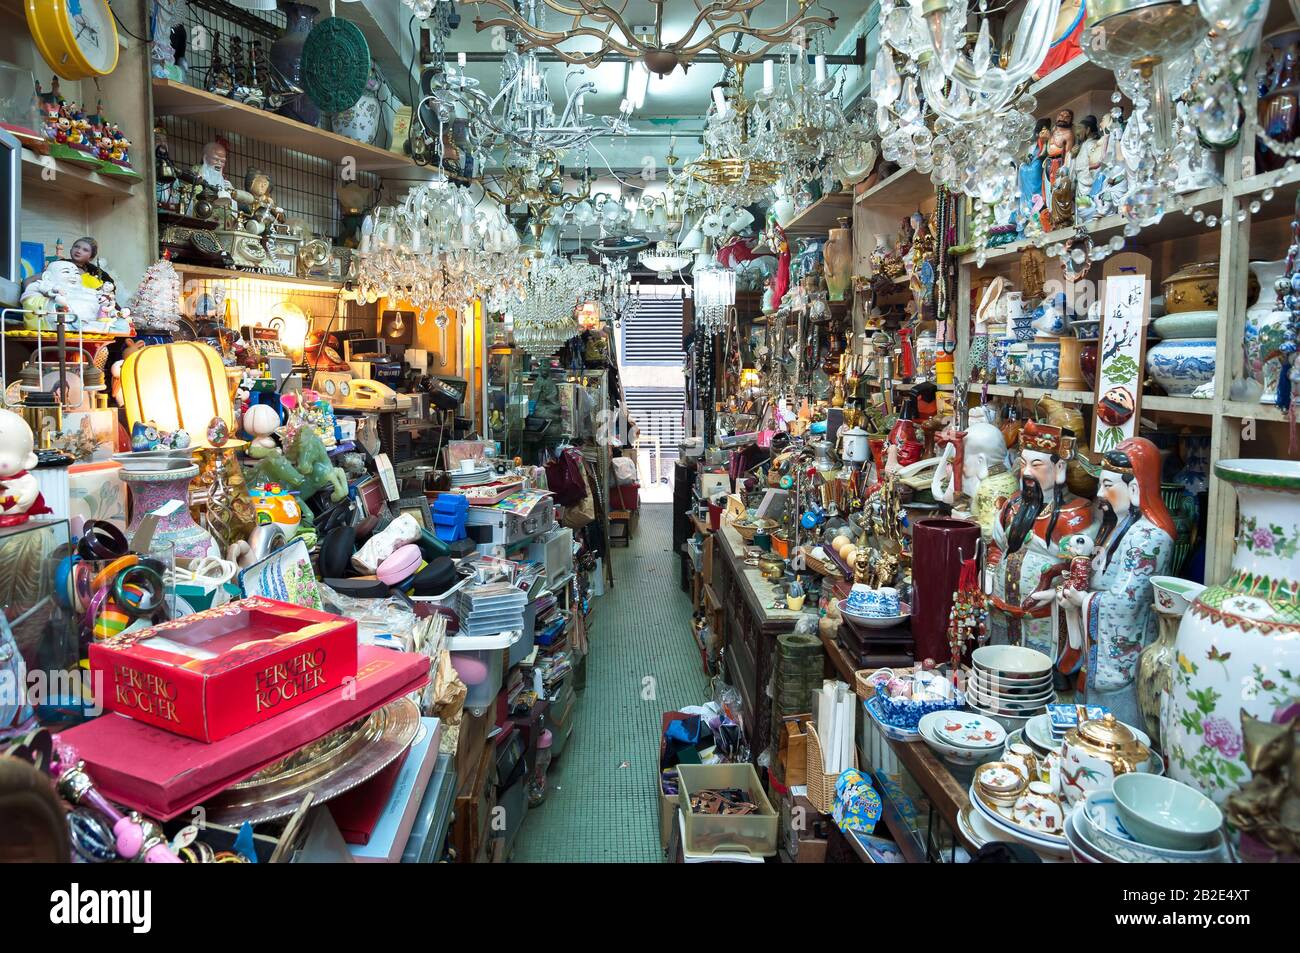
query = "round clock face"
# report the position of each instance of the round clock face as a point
(330, 388)
(344, 389)
(94, 32)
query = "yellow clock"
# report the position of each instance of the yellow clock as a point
(77, 38)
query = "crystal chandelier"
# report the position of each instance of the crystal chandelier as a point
(542, 307)
(617, 299)
(439, 249)
(734, 168)
(714, 294)
(803, 121)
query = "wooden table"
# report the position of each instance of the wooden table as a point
(750, 630)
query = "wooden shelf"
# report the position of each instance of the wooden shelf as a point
(49, 174)
(1033, 393)
(1174, 225)
(1244, 410)
(1181, 405)
(1067, 83)
(906, 187)
(177, 99)
(823, 215)
(230, 274)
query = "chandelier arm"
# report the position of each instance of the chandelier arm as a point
(767, 37)
(533, 39)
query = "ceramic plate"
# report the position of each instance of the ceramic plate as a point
(1051, 844)
(956, 757)
(964, 729)
(1102, 829)
(975, 829)
(1083, 852)
(1038, 732)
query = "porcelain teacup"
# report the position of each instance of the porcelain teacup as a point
(1039, 809)
(1022, 757)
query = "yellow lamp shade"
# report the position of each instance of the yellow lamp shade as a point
(177, 386)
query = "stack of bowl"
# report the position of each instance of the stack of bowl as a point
(1147, 818)
(962, 738)
(1010, 684)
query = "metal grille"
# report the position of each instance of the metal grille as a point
(303, 185)
(657, 411)
(653, 334)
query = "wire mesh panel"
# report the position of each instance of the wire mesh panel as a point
(302, 184)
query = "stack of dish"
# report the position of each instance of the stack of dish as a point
(1018, 809)
(1010, 684)
(474, 477)
(962, 738)
(1147, 819)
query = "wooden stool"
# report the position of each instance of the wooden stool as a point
(619, 529)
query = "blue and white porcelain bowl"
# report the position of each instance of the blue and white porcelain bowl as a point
(1181, 365)
(1043, 365)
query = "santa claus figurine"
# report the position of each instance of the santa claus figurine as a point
(20, 495)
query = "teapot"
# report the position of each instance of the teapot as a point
(824, 451)
(1094, 753)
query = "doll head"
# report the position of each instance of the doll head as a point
(16, 444)
(1077, 545)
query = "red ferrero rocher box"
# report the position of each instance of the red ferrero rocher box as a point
(216, 672)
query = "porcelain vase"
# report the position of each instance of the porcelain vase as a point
(1182, 365)
(361, 121)
(837, 253)
(286, 56)
(1265, 326)
(1238, 646)
(154, 490)
(1155, 674)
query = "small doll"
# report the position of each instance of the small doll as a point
(1079, 548)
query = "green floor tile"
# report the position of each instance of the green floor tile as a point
(602, 804)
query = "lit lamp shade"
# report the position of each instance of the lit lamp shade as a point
(180, 385)
(589, 315)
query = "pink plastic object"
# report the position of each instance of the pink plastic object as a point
(401, 565)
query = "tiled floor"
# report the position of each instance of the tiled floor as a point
(602, 804)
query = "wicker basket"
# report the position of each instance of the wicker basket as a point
(821, 785)
(820, 566)
(860, 686)
(748, 530)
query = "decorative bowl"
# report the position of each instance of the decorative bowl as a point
(1002, 686)
(1187, 324)
(906, 713)
(1193, 288)
(1182, 365)
(1161, 812)
(1011, 662)
(1009, 722)
(964, 731)
(1043, 365)
(1022, 332)
(1000, 782)
(1173, 596)
(878, 622)
(1086, 330)
(1103, 831)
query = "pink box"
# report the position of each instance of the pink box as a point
(164, 774)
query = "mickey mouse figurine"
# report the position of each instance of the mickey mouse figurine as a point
(20, 496)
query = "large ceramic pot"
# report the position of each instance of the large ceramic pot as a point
(1181, 366)
(1155, 674)
(838, 255)
(939, 545)
(360, 121)
(286, 56)
(1265, 326)
(1043, 363)
(151, 490)
(1238, 647)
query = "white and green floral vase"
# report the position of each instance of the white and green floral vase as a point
(1238, 647)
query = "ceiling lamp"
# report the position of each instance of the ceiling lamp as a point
(721, 26)
(714, 292)
(733, 168)
(665, 261)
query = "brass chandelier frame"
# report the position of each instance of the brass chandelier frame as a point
(604, 21)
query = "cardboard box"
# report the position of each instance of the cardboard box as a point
(214, 673)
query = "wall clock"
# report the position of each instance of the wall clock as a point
(77, 38)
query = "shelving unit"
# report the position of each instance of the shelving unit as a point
(178, 99)
(1235, 428)
(49, 174)
(821, 216)
(231, 274)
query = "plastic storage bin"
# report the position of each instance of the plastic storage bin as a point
(480, 660)
(711, 833)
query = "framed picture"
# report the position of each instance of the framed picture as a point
(370, 497)
(417, 506)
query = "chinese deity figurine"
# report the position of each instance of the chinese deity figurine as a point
(1028, 531)
(1112, 618)
(985, 483)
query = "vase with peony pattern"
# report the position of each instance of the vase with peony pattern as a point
(1238, 646)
